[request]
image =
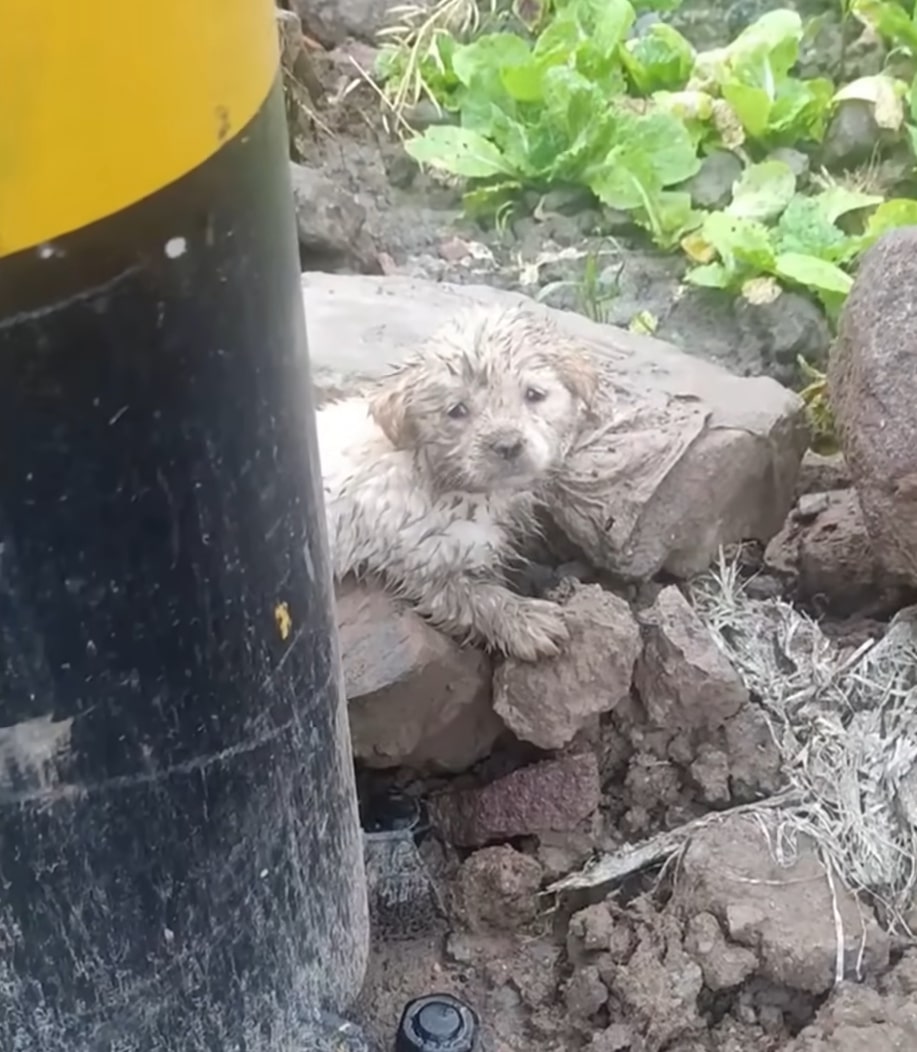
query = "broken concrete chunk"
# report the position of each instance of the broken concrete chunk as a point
(551, 795)
(590, 931)
(330, 221)
(820, 472)
(856, 1019)
(585, 993)
(415, 698)
(755, 767)
(549, 702)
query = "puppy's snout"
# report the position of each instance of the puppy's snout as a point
(508, 447)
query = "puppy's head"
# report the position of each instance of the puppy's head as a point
(492, 402)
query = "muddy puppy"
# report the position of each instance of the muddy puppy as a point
(431, 481)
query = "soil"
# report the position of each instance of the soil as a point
(631, 971)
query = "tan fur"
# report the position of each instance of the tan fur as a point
(432, 480)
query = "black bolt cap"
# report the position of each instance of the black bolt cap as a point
(437, 1023)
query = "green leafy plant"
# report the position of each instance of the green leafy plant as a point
(753, 75)
(572, 94)
(586, 102)
(770, 230)
(554, 111)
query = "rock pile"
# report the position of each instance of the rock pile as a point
(643, 725)
(685, 458)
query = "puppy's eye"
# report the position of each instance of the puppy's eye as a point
(534, 394)
(458, 411)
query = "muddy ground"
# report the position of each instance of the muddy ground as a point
(648, 967)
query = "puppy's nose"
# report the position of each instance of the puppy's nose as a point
(508, 448)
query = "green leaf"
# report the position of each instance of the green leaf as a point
(739, 240)
(659, 59)
(767, 50)
(576, 128)
(889, 19)
(763, 191)
(838, 200)
(606, 22)
(460, 151)
(485, 201)
(812, 272)
(625, 185)
(524, 82)
(752, 106)
(651, 152)
(559, 39)
(709, 276)
(657, 7)
(665, 140)
(489, 54)
(752, 75)
(892, 214)
(806, 228)
(801, 110)
(669, 217)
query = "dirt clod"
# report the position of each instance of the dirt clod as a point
(685, 683)
(585, 994)
(498, 888)
(590, 931)
(548, 703)
(723, 965)
(658, 987)
(792, 917)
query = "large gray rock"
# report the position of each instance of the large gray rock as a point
(415, 697)
(687, 458)
(872, 377)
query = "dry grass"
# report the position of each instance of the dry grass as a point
(846, 728)
(413, 31)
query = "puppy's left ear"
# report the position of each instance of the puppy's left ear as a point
(578, 372)
(389, 408)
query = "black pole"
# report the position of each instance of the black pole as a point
(180, 858)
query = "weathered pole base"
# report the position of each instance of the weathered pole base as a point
(180, 856)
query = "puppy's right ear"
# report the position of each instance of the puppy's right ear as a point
(578, 372)
(389, 408)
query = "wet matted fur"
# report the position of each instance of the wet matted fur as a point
(431, 481)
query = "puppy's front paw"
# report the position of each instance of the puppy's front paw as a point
(536, 629)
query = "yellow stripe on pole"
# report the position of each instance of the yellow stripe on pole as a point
(102, 103)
